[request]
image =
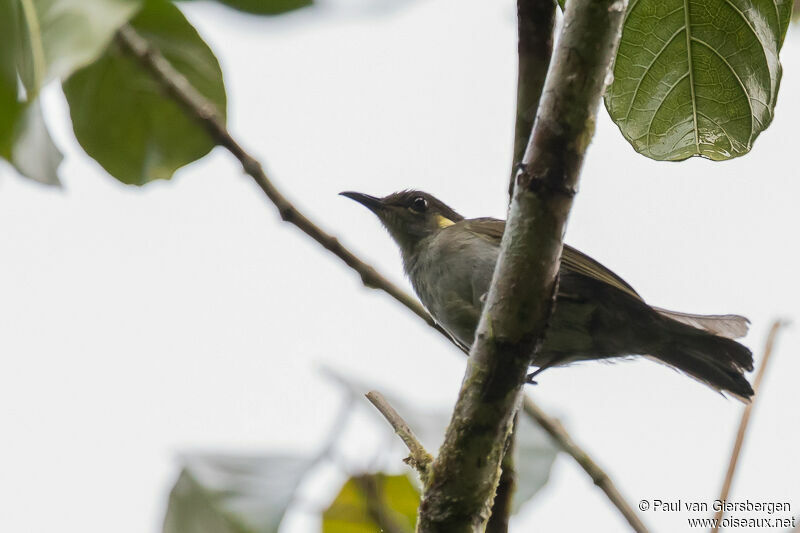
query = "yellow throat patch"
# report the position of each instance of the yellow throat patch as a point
(443, 222)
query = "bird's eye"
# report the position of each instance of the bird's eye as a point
(419, 204)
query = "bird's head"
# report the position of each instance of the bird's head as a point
(410, 216)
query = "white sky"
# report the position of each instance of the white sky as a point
(138, 323)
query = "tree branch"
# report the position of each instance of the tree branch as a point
(554, 428)
(743, 424)
(176, 85)
(535, 22)
(535, 25)
(419, 459)
(520, 300)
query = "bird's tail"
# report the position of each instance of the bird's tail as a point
(717, 361)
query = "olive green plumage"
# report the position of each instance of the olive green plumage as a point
(450, 261)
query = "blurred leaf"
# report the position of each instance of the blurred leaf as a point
(34, 154)
(266, 7)
(10, 106)
(233, 494)
(534, 456)
(373, 503)
(535, 451)
(427, 424)
(41, 40)
(697, 77)
(60, 36)
(123, 118)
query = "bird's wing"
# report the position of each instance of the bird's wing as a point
(731, 326)
(571, 259)
(576, 261)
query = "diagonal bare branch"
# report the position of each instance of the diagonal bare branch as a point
(599, 477)
(419, 459)
(743, 423)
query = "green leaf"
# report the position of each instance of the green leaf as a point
(34, 153)
(697, 77)
(59, 36)
(233, 494)
(10, 105)
(368, 502)
(41, 40)
(125, 120)
(266, 7)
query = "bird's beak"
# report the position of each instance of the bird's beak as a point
(370, 202)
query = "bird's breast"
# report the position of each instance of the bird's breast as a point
(451, 274)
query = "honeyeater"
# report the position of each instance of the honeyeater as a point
(597, 315)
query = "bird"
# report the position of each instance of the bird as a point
(450, 260)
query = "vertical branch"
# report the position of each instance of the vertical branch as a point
(520, 300)
(743, 424)
(535, 24)
(535, 21)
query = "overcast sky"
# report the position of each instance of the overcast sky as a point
(139, 323)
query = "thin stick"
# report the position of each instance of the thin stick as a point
(178, 87)
(599, 477)
(419, 459)
(743, 424)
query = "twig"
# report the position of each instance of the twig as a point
(535, 21)
(520, 299)
(419, 459)
(554, 428)
(743, 423)
(176, 85)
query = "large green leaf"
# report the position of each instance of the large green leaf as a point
(697, 77)
(125, 120)
(369, 503)
(41, 40)
(233, 494)
(59, 36)
(266, 7)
